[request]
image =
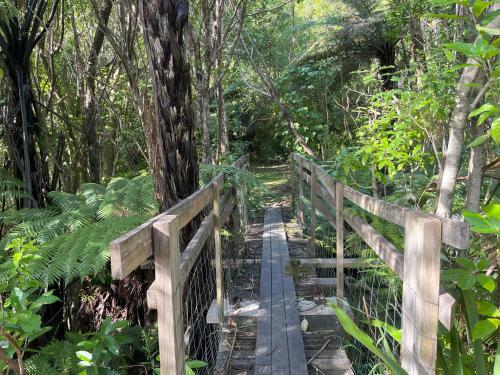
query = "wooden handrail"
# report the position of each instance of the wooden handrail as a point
(454, 233)
(135, 247)
(159, 236)
(418, 266)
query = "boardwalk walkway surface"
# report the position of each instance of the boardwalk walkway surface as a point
(279, 347)
(272, 313)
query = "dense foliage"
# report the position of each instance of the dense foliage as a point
(396, 98)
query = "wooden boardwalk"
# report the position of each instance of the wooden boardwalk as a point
(279, 348)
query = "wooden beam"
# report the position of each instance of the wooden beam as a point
(339, 219)
(216, 211)
(319, 281)
(332, 262)
(133, 248)
(323, 209)
(312, 218)
(454, 233)
(169, 299)
(382, 247)
(420, 313)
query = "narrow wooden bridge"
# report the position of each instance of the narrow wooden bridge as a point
(262, 308)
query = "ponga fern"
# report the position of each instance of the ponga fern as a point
(11, 189)
(81, 253)
(75, 231)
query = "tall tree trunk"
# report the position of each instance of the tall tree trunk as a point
(204, 86)
(458, 123)
(222, 136)
(90, 105)
(163, 25)
(417, 46)
(475, 175)
(18, 37)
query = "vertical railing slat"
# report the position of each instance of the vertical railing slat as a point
(169, 299)
(218, 250)
(312, 219)
(420, 293)
(300, 195)
(339, 221)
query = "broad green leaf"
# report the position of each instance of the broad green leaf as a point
(44, 299)
(84, 356)
(488, 309)
(16, 258)
(352, 329)
(466, 281)
(467, 49)
(488, 107)
(483, 264)
(495, 130)
(489, 30)
(484, 328)
(466, 263)
(479, 140)
(456, 357)
(486, 282)
(492, 211)
(480, 6)
(196, 364)
(395, 333)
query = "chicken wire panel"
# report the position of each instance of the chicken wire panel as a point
(374, 293)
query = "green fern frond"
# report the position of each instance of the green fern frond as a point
(81, 253)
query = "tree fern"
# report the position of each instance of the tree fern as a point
(75, 231)
(56, 358)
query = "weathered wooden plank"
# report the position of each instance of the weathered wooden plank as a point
(133, 248)
(296, 355)
(300, 198)
(339, 219)
(278, 317)
(332, 262)
(323, 209)
(384, 249)
(263, 347)
(420, 312)
(312, 218)
(170, 318)
(216, 211)
(454, 233)
(194, 247)
(319, 281)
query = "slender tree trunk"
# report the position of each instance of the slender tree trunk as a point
(458, 123)
(163, 25)
(269, 84)
(204, 86)
(222, 136)
(418, 47)
(91, 105)
(475, 175)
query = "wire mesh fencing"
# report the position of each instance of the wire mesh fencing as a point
(373, 293)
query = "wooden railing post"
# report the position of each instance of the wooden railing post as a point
(339, 220)
(244, 209)
(218, 250)
(300, 195)
(420, 293)
(168, 294)
(313, 207)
